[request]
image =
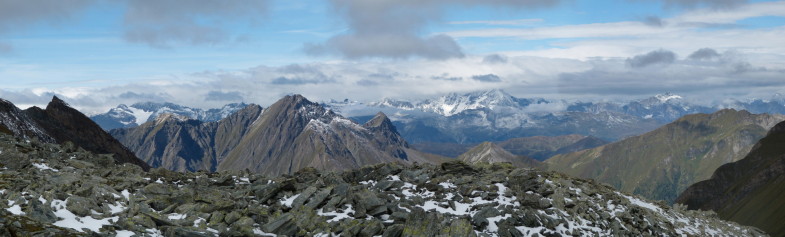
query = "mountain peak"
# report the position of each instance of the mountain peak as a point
(57, 102)
(663, 98)
(378, 120)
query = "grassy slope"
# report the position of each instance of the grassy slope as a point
(662, 163)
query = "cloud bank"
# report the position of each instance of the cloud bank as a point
(394, 28)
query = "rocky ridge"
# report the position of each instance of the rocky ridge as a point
(662, 163)
(750, 190)
(65, 191)
(59, 123)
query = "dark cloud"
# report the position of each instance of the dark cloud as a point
(487, 78)
(393, 28)
(653, 21)
(22, 13)
(494, 59)
(163, 23)
(704, 54)
(654, 57)
(446, 77)
(223, 96)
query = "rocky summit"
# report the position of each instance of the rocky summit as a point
(60, 190)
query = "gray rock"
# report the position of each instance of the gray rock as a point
(283, 225)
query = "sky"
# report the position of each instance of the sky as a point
(96, 54)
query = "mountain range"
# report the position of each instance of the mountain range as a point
(749, 191)
(59, 123)
(495, 115)
(124, 116)
(662, 163)
(292, 134)
(45, 192)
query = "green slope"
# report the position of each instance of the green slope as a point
(662, 163)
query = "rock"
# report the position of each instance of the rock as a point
(80, 206)
(282, 225)
(300, 200)
(393, 231)
(318, 198)
(232, 217)
(480, 220)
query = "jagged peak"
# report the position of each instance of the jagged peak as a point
(378, 120)
(57, 101)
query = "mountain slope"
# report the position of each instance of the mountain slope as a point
(64, 123)
(16, 122)
(46, 193)
(178, 143)
(488, 152)
(749, 191)
(537, 147)
(295, 133)
(542, 147)
(662, 163)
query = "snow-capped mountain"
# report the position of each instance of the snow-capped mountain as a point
(124, 116)
(454, 103)
(496, 115)
(662, 107)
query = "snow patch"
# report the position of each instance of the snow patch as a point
(42, 166)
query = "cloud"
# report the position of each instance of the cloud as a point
(164, 23)
(487, 78)
(704, 54)
(721, 4)
(17, 14)
(494, 59)
(653, 21)
(299, 81)
(393, 28)
(654, 57)
(130, 95)
(500, 22)
(232, 96)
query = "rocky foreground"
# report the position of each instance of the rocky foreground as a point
(50, 190)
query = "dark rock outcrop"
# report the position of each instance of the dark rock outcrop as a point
(749, 191)
(64, 123)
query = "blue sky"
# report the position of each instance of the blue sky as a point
(98, 54)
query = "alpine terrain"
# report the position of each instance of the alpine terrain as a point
(182, 144)
(124, 116)
(52, 190)
(749, 191)
(290, 135)
(59, 123)
(660, 164)
(487, 152)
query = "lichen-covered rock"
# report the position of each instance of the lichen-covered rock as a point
(65, 191)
